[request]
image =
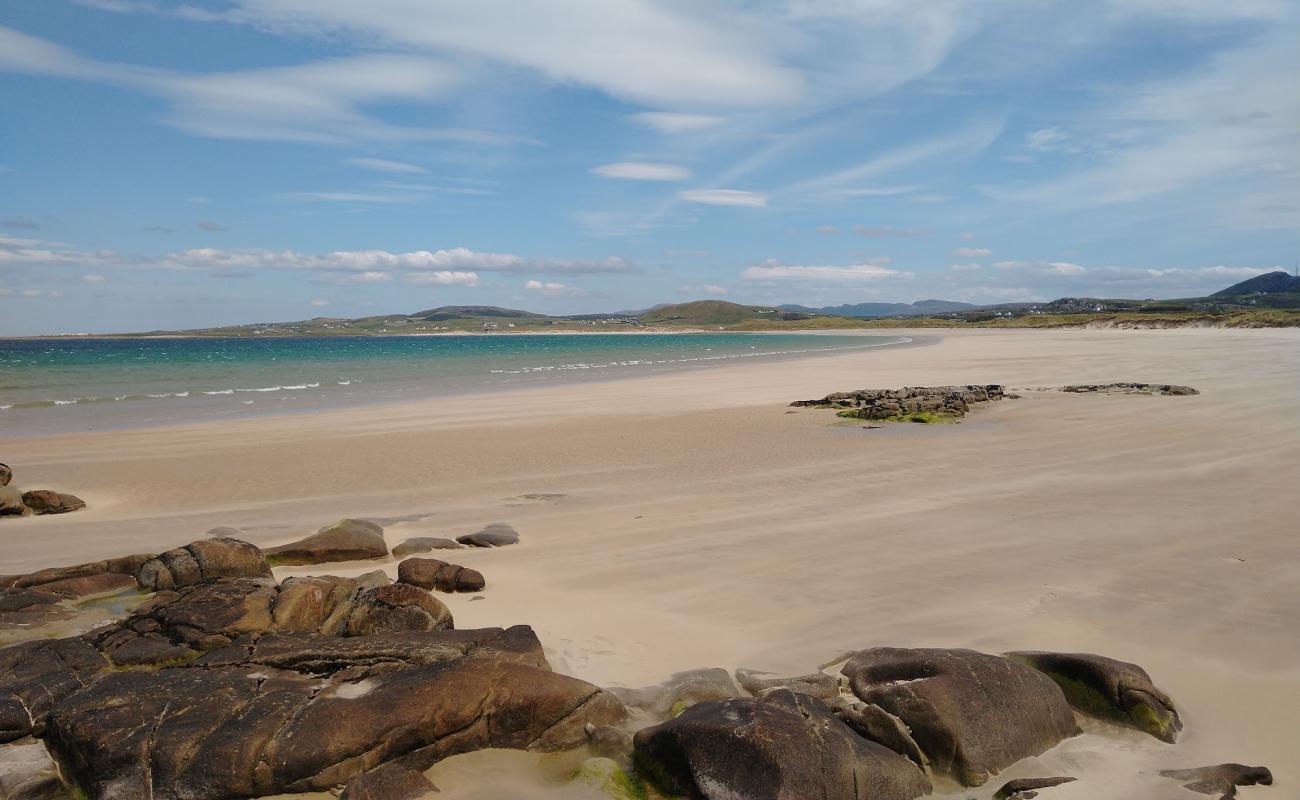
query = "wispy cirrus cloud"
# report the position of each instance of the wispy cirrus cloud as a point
(385, 165)
(642, 171)
(724, 197)
(848, 274)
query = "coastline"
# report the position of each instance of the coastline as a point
(702, 524)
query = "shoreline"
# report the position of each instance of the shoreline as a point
(574, 377)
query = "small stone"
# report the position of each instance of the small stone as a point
(1025, 788)
(48, 501)
(424, 544)
(498, 534)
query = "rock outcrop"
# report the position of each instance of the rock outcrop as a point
(308, 713)
(1222, 779)
(345, 540)
(498, 534)
(1130, 388)
(783, 746)
(204, 560)
(389, 782)
(817, 684)
(424, 544)
(1111, 689)
(972, 714)
(430, 573)
(1027, 788)
(6, 474)
(48, 501)
(890, 404)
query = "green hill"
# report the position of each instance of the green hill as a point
(712, 312)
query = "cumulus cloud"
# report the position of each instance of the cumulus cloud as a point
(384, 165)
(93, 279)
(846, 275)
(437, 261)
(1063, 268)
(724, 197)
(971, 252)
(641, 171)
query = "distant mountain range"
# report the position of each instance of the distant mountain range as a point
(1270, 299)
(868, 310)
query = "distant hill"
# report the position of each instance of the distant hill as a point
(871, 310)
(444, 313)
(714, 312)
(1277, 282)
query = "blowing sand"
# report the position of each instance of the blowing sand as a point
(705, 525)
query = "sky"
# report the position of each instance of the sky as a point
(173, 164)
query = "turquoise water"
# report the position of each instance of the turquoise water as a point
(77, 384)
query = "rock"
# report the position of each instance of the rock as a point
(680, 691)
(397, 607)
(389, 782)
(28, 773)
(345, 540)
(11, 503)
(36, 675)
(29, 608)
(204, 560)
(972, 714)
(1222, 780)
(6, 474)
(946, 401)
(89, 585)
(878, 725)
(1130, 388)
(1109, 688)
(818, 684)
(213, 730)
(47, 501)
(783, 746)
(126, 565)
(424, 544)
(430, 573)
(1026, 788)
(498, 534)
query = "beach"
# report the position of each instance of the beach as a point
(693, 519)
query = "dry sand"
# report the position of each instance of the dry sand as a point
(705, 525)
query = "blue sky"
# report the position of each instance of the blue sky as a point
(167, 164)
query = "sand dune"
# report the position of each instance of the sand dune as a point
(704, 525)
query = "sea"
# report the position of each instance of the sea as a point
(67, 384)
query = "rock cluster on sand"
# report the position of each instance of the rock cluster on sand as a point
(885, 404)
(345, 540)
(1130, 388)
(430, 573)
(229, 685)
(17, 503)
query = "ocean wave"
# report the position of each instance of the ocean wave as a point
(581, 365)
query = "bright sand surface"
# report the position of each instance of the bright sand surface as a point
(704, 524)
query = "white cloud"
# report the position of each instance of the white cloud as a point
(423, 261)
(93, 279)
(320, 303)
(965, 267)
(850, 274)
(384, 165)
(444, 277)
(1060, 268)
(640, 171)
(372, 276)
(971, 252)
(724, 197)
(828, 230)
(671, 122)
